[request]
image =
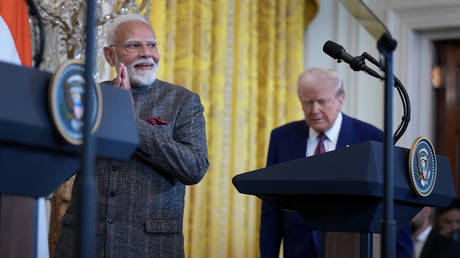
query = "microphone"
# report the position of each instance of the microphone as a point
(357, 63)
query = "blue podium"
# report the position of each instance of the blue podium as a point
(34, 161)
(342, 190)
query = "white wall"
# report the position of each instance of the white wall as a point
(415, 24)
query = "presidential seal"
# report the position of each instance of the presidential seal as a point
(422, 166)
(66, 102)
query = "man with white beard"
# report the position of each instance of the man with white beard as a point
(141, 201)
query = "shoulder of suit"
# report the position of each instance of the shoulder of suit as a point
(301, 124)
(361, 124)
(170, 86)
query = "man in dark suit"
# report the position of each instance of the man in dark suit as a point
(428, 242)
(141, 201)
(448, 220)
(325, 128)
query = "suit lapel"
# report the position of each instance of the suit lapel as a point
(300, 140)
(345, 133)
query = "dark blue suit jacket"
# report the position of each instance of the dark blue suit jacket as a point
(287, 143)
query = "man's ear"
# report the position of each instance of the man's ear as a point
(108, 53)
(341, 100)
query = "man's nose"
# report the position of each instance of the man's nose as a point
(315, 107)
(147, 52)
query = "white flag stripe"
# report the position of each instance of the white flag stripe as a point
(8, 51)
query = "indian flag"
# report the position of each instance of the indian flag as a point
(15, 46)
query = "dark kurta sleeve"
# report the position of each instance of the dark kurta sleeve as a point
(182, 154)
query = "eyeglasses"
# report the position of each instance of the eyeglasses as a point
(134, 46)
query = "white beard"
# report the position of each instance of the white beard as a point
(142, 77)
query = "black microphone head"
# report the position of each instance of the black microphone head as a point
(333, 49)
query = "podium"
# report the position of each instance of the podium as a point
(342, 190)
(34, 161)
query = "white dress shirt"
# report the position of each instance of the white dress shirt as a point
(332, 136)
(419, 241)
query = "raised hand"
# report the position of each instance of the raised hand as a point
(122, 80)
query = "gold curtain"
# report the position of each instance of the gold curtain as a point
(243, 59)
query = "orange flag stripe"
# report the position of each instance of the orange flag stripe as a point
(14, 12)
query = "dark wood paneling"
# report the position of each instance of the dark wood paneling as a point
(17, 225)
(448, 107)
(342, 244)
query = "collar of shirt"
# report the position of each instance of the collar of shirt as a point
(332, 137)
(424, 235)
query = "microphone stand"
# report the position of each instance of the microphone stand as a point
(87, 209)
(402, 94)
(358, 62)
(386, 45)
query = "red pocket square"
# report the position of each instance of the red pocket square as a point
(156, 121)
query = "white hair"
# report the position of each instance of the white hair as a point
(324, 76)
(118, 21)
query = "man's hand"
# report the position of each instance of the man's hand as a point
(122, 80)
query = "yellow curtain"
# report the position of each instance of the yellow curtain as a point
(243, 59)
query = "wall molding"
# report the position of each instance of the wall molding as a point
(415, 29)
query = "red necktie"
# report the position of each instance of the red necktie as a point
(320, 147)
